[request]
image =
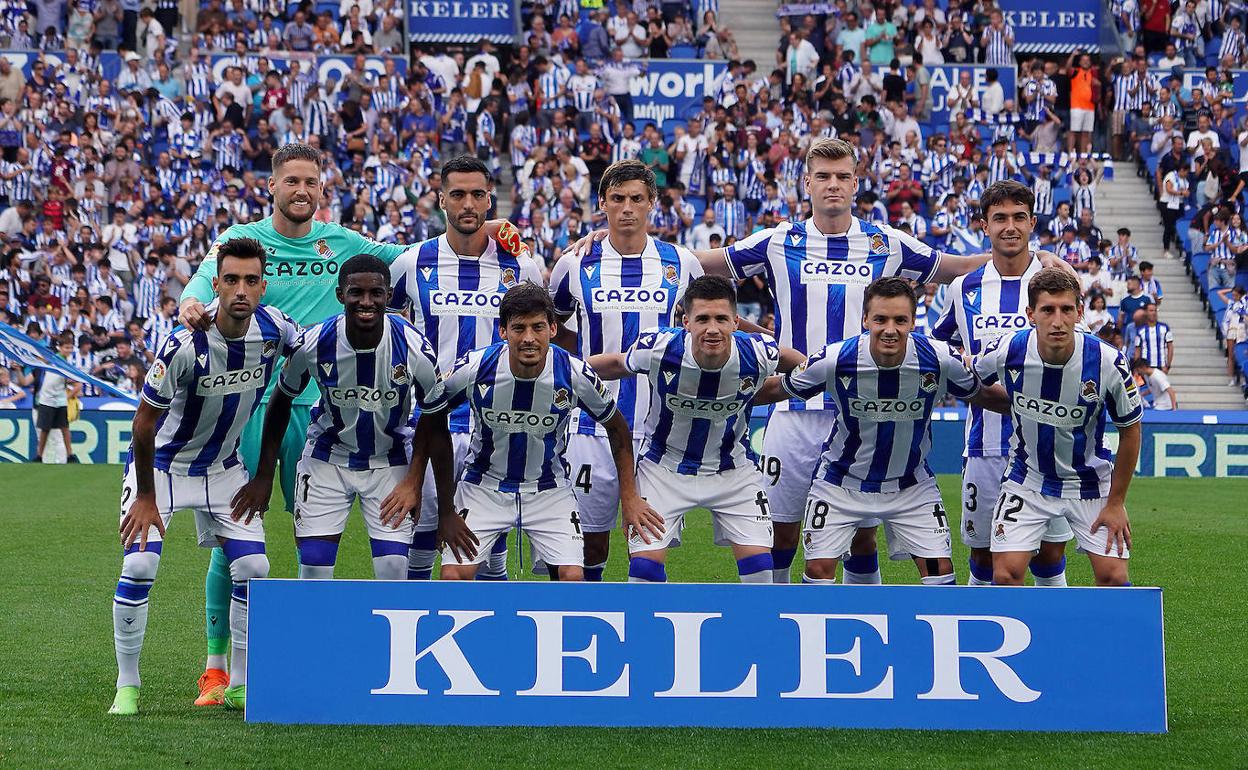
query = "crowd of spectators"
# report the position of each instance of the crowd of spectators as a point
(114, 189)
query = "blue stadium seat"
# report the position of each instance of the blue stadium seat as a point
(682, 52)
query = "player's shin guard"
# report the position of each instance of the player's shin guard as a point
(217, 586)
(247, 561)
(862, 570)
(420, 556)
(818, 581)
(1051, 575)
(317, 558)
(389, 559)
(781, 562)
(138, 571)
(593, 572)
(756, 568)
(495, 567)
(643, 570)
(940, 580)
(980, 576)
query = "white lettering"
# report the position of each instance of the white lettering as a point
(481, 304)
(687, 660)
(233, 381)
(887, 409)
(1050, 412)
(710, 409)
(630, 299)
(813, 657)
(989, 326)
(1163, 460)
(550, 654)
(1224, 459)
(826, 271)
(363, 397)
(446, 651)
(519, 422)
(947, 655)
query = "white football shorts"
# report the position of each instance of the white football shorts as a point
(548, 518)
(1021, 517)
(792, 443)
(591, 466)
(981, 488)
(914, 518)
(429, 494)
(735, 498)
(324, 493)
(210, 498)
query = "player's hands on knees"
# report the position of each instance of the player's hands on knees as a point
(251, 500)
(1114, 517)
(453, 531)
(193, 315)
(582, 246)
(141, 517)
(643, 520)
(399, 503)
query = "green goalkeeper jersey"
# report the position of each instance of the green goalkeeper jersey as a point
(302, 273)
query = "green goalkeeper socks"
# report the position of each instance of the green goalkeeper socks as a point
(217, 587)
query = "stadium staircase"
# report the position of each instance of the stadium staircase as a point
(754, 25)
(1199, 372)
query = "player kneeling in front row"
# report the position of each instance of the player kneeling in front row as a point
(703, 382)
(522, 392)
(370, 368)
(1062, 384)
(198, 395)
(886, 383)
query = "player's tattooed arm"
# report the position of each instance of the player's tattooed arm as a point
(253, 499)
(790, 359)
(143, 514)
(1114, 514)
(610, 366)
(993, 398)
(637, 514)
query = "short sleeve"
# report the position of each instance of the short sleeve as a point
(960, 380)
(170, 369)
(768, 352)
(812, 377)
(690, 265)
(529, 271)
(1169, 332)
(748, 256)
(291, 332)
(463, 373)
(987, 365)
(591, 394)
(560, 288)
(297, 371)
(946, 328)
(400, 275)
(1122, 397)
(422, 366)
(919, 261)
(640, 358)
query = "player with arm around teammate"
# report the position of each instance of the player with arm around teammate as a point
(522, 393)
(198, 395)
(982, 305)
(370, 368)
(886, 383)
(703, 381)
(1062, 386)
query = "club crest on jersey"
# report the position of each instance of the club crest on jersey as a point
(508, 277)
(268, 349)
(1089, 391)
(562, 399)
(878, 244)
(928, 382)
(1000, 533)
(970, 528)
(669, 274)
(747, 384)
(322, 249)
(399, 374)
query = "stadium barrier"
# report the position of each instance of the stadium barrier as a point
(1184, 443)
(713, 655)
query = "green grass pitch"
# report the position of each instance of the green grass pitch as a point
(60, 560)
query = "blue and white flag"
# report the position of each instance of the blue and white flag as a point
(18, 347)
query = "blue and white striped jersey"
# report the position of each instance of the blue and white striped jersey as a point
(209, 387)
(614, 297)
(363, 417)
(1058, 446)
(453, 300)
(881, 437)
(698, 417)
(519, 426)
(1150, 344)
(818, 281)
(985, 305)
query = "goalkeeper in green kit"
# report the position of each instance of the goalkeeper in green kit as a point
(304, 256)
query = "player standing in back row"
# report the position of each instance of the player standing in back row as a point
(453, 285)
(198, 395)
(625, 284)
(985, 304)
(1062, 385)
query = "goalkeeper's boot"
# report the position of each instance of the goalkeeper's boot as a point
(236, 697)
(126, 702)
(212, 685)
